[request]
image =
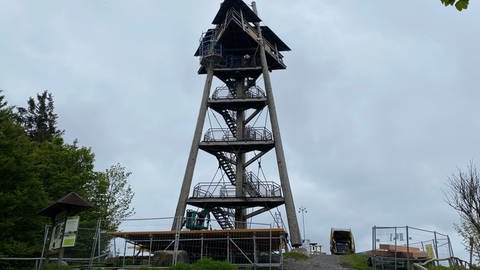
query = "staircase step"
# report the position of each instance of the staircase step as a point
(226, 166)
(230, 121)
(222, 218)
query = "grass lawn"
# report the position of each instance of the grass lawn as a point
(355, 261)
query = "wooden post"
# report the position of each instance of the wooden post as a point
(192, 158)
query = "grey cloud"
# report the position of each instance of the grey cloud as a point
(377, 106)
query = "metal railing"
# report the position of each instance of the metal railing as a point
(266, 189)
(223, 92)
(210, 47)
(453, 262)
(225, 135)
(232, 14)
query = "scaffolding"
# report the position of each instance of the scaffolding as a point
(262, 247)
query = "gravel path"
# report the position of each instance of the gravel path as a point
(327, 262)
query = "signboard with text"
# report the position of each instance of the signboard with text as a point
(64, 233)
(71, 230)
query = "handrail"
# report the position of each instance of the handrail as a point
(223, 92)
(232, 14)
(209, 45)
(452, 261)
(237, 17)
(266, 189)
(249, 134)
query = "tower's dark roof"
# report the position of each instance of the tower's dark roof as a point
(269, 35)
(248, 13)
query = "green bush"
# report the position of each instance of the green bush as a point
(205, 264)
(180, 266)
(56, 267)
(445, 268)
(209, 264)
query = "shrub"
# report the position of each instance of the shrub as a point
(56, 267)
(205, 264)
(180, 266)
(209, 264)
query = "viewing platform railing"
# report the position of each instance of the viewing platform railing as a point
(225, 135)
(232, 14)
(210, 47)
(224, 92)
(267, 189)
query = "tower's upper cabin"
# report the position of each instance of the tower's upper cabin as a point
(234, 41)
(238, 6)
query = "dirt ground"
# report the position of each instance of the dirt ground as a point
(327, 262)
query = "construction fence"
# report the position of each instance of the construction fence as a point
(136, 245)
(91, 245)
(150, 242)
(400, 247)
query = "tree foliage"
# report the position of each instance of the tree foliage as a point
(3, 102)
(463, 195)
(21, 195)
(39, 119)
(110, 192)
(205, 264)
(459, 4)
(63, 168)
(37, 167)
(5, 111)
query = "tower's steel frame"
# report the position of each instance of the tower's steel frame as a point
(238, 51)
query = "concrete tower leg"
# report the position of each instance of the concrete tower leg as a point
(282, 166)
(240, 212)
(192, 158)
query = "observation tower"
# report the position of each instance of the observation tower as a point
(240, 53)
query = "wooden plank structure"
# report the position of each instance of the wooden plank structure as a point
(387, 250)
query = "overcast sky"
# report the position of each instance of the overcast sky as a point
(377, 108)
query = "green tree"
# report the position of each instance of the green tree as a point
(39, 119)
(63, 168)
(37, 167)
(111, 195)
(459, 4)
(6, 111)
(3, 102)
(21, 193)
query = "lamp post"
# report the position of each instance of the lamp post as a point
(303, 211)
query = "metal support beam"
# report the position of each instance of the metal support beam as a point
(150, 251)
(240, 212)
(256, 157)
(192, 158)
(257, 212)
(282, 166)
(255, 113)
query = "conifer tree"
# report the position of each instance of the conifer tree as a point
(39, 119)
